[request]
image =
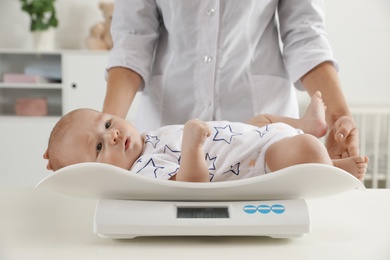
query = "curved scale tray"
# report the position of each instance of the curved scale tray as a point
(97, 180)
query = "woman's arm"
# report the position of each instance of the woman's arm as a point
(135, 31)
(343, 137)
(122, 86)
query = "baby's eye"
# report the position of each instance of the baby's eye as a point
(99, 147)
(107, 124)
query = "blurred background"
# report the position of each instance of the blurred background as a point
(359, 32)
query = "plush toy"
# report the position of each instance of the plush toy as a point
(100, 36)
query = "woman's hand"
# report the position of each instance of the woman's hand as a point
(343, 139)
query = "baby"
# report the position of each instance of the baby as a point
(197, 151)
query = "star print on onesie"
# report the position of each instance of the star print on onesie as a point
(211, 162)
(235, 169)
(224, 134)
(233, 151)
(152, 166)
(152, 139)
(263, 131)
(174, 153)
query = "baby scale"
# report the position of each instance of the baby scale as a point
(130, 205)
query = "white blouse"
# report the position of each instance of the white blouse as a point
(217, 59)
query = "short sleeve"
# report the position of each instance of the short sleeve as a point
(303, 33)
(135, 30)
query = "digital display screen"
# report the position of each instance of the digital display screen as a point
(202, 212)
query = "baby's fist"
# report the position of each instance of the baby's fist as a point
(196, 132)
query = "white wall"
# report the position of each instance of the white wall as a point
(76, 18)
(359, 32)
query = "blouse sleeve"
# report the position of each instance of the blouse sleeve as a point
(134, 30)
(305, 42)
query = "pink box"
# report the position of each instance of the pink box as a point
(31, 106)
(23, 78)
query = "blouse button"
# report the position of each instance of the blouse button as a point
(207, 59)
(210, 12)
(207, 103)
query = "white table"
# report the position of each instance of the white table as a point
(39, 225)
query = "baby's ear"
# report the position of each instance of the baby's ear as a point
(46, 156)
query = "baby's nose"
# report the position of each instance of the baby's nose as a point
(114, 136)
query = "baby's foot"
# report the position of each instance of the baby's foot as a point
(313, 120)
(357, 165)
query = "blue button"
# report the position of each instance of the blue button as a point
(264, 209)
(278, 209)
(250, 209)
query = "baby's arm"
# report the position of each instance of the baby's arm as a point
(193, 166)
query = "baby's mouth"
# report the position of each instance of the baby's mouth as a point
(127, 143)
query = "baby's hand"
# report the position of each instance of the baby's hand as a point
(195, 133)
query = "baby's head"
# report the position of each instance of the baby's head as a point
(86, 135)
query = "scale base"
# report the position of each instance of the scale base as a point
(124, 219)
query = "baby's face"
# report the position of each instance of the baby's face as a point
(98, 137)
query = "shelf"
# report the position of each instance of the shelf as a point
(29, 119)
(10, 96)
(29, 97)
(29, 52)
(30, 85)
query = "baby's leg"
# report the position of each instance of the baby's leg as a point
(306, 148)
(357, 165)
(312, 122)
(299, 149)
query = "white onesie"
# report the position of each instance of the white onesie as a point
(233, 150)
